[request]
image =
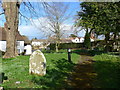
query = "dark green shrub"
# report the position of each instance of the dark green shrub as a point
(66, 45)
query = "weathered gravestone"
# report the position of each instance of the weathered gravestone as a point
(37, 64)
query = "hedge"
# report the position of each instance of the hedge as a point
(66, 45)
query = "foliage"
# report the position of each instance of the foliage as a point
(67, 45)
(72, 35)
(107, 68)
(102, 18)
(58, 68)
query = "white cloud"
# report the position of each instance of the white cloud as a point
(30, 32)
(40, 29)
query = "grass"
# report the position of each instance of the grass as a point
(107, 68)
(106, 65)
(58, 69)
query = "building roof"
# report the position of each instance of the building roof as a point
(27, 41)
(39, 40)
(3, 35)
(64, 40)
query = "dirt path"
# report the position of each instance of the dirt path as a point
(83, 74)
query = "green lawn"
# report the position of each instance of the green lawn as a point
(107, 68)
(58, 69)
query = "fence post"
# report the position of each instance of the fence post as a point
(69, 55)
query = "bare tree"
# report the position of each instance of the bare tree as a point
(55, 12)
(11, 10)
(56, 16)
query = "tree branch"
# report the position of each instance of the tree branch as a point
(23, 16)
(1, 13)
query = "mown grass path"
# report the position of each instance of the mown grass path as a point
(83, 74)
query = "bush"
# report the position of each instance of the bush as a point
(66, 45)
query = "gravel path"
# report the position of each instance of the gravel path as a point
(83, 74)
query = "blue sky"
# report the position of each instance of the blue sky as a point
(26, 28)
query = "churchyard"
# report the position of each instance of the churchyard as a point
(17, 71)
(103, 72)
(89, 29)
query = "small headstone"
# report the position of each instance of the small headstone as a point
(37, 64)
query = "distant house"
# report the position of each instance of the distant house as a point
(28, 47)
(28, 50)
(62, 40)
(20, 41)
(65, 40)
(80, 39)
(26, 40)
(39, 43)
(77, 39)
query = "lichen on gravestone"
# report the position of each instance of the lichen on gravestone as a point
(37, 63)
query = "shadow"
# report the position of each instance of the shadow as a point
(6, 59)
(82, 77)
(53, 51)
(2, 77)
(55, 77)
(115, 53)
(88, 52)
(108, 74)
(1, 53)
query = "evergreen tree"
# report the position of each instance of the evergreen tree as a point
(87, 42)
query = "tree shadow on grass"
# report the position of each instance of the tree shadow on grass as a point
(88, 52)
(55, 77)
(108, 74)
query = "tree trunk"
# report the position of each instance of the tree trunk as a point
(11, 10)
(87, 42)
(107, 37)
(56, 47)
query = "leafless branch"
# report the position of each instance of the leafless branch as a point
(56, 16)
(1, 13)
(24, 16)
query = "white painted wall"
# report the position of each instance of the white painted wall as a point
(92, 40)
(28, 49)
(20, 46)
(76, 40)
(3, 46)
(81, 40)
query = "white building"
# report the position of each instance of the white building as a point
(36, 43)
(77, 40)
(20, 41)
(80, 39)
(39, 43)
(28, 49)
